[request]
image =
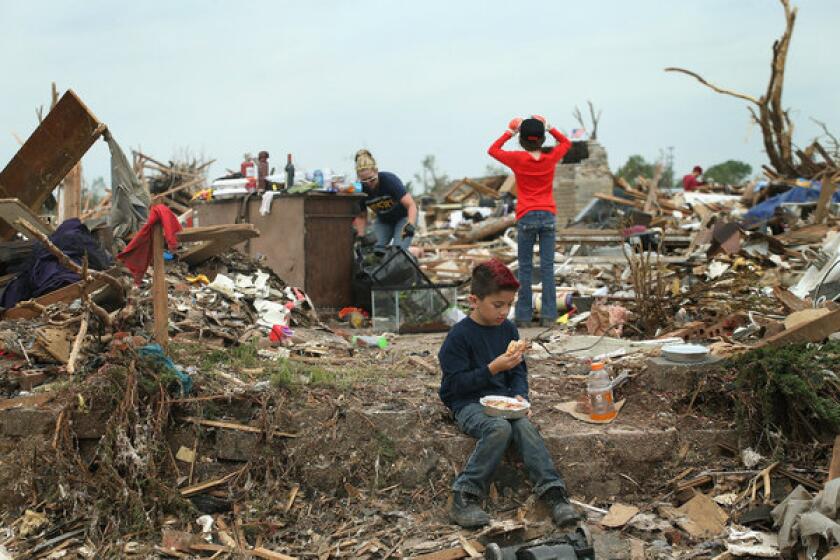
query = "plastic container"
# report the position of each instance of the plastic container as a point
(318, 178)
(599, 388)
(370, 341)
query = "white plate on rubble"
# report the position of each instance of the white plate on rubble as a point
(685, 352)
(506, 407)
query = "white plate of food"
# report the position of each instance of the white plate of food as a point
(506, 407)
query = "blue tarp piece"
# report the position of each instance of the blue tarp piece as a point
(764, 211)
(154, 353)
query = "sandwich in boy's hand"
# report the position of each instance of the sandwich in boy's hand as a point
(517, 346)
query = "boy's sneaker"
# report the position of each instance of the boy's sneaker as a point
(561, 510)
(467, 512)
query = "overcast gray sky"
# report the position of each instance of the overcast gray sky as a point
(321, 79)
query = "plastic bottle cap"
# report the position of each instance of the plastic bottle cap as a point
(597, 366)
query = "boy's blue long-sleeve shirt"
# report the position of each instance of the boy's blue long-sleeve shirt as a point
(464, 356)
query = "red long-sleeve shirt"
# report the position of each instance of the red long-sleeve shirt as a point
(534, 177)
(690, 183)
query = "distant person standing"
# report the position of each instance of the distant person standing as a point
(535, 209)
(691, 182)
(395, 209)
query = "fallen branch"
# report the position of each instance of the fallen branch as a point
(77, 343)
(718, 89)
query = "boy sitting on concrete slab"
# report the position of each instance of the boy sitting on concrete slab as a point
(476, 364)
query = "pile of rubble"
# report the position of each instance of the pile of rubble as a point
(700, 266)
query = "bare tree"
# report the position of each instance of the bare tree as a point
(774, 120)
(594, 118)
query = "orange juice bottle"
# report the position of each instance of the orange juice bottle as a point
(599, 387)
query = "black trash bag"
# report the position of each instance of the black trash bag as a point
(391, 267)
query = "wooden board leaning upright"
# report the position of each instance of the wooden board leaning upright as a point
(159, 294)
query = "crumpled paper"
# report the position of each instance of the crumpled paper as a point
(809, 520)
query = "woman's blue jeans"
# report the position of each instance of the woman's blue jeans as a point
(387, 234)
(536, 226)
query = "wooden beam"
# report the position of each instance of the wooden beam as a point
(811, 331)
(234, 426)
(32, 308)
(489, 228)
(65, 134)
(653, 190)
(834, 467)
(826, 192)
(481, 188)
(12, 209)
(261, 552)
(455, 553)
(198, 488)
(227, 237)
(160, 301)
(71, 193)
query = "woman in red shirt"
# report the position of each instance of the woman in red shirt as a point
(535, 208)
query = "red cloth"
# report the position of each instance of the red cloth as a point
(690, 183)
(534, 178)
(138, 255)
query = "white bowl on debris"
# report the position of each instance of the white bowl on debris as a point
(685, 352)
(506, 407)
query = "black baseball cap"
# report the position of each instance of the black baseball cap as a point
(532, 129)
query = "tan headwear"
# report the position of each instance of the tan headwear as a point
(364, 160)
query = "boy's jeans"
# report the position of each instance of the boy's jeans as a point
(386, 233)
(533, 225)
(494, 434)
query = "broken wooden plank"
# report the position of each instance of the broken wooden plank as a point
(213, 233)
(32, 308)
(509, 186)
(789, 300)
(455, 553)
(201, 487)
(160, 296)
(452, 190)
(261, 552)
(815, 330)
(826, 192)
(12, 209)
(62, 138)
(468, 548)
(834, 467)
(481, 188)
(488, 228)
(235, 426)
(210, 547)
(55, 341)
(71, 194)
(618, 516)
(620, 201)
(236, 234)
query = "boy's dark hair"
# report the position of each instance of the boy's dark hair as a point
(491, 277)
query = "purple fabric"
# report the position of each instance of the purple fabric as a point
(42, 274)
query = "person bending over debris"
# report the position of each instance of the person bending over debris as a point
(476, 363)
(691, 181)
(396, 212)
(535, 208)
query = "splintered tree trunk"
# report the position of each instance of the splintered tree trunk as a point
(770, 114)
